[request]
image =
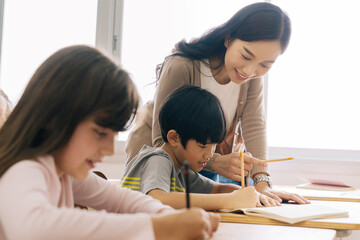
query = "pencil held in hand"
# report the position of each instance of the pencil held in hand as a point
(242, 170)
(278, 160)
(187, 187)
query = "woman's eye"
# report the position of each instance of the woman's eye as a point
(246, 58)
(100, 133)
(264, 66)
(202, 146)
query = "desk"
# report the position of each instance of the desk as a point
(350, 223)
(344, 226)
(343, 196)
(235, 231)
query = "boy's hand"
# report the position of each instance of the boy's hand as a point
(229, 165)
(243, 198)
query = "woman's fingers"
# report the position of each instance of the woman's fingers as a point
(229, 165)
(249, 159)
(268, 201)
(292, 196)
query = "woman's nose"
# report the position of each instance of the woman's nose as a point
(250, 70)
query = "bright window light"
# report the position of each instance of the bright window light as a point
(33, 30)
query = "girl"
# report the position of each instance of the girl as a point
(229, 61)
(64, 123)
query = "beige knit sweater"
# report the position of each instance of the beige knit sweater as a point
(178, 71)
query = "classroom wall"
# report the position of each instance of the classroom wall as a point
(291, 172)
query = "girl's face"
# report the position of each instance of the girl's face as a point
(247, 60)
(87, 146)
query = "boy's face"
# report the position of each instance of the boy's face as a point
(196, 154)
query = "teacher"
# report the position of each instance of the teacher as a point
(229, 61)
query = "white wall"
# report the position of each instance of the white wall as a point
(290, 172)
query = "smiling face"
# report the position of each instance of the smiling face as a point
(88, 145)
(195, 153)
(247, 60)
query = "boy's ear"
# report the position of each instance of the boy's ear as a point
(173, 138)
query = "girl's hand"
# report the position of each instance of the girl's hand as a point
(229, 165)
(278, 197)
(194, 223)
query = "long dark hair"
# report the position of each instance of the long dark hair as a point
(194, 113)
(74, 83)
(255, 22)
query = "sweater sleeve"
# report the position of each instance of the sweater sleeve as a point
(174, 74)
(29, 210)
(254, 124)
(99, 193)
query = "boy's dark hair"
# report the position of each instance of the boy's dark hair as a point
(193, 113)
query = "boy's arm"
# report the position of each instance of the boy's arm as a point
(242, 198)
(229, 188)
(224, 188)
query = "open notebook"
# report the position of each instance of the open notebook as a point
(293, 213)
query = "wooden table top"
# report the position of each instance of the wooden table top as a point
(350, 223)
(235, 231)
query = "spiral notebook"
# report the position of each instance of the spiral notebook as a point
(293, 213)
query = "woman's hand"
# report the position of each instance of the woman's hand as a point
(266, 201)
(263, 188)
(229, 165)
(194, 223)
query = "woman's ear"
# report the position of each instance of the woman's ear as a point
(227, 41)
(173, 138)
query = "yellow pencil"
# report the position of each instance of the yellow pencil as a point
(242, 170)
(278, 160)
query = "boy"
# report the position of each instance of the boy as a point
(192, 123)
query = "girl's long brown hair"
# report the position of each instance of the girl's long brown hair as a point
(74, 83)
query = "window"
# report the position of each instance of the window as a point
(33, 30)
(313, 90)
